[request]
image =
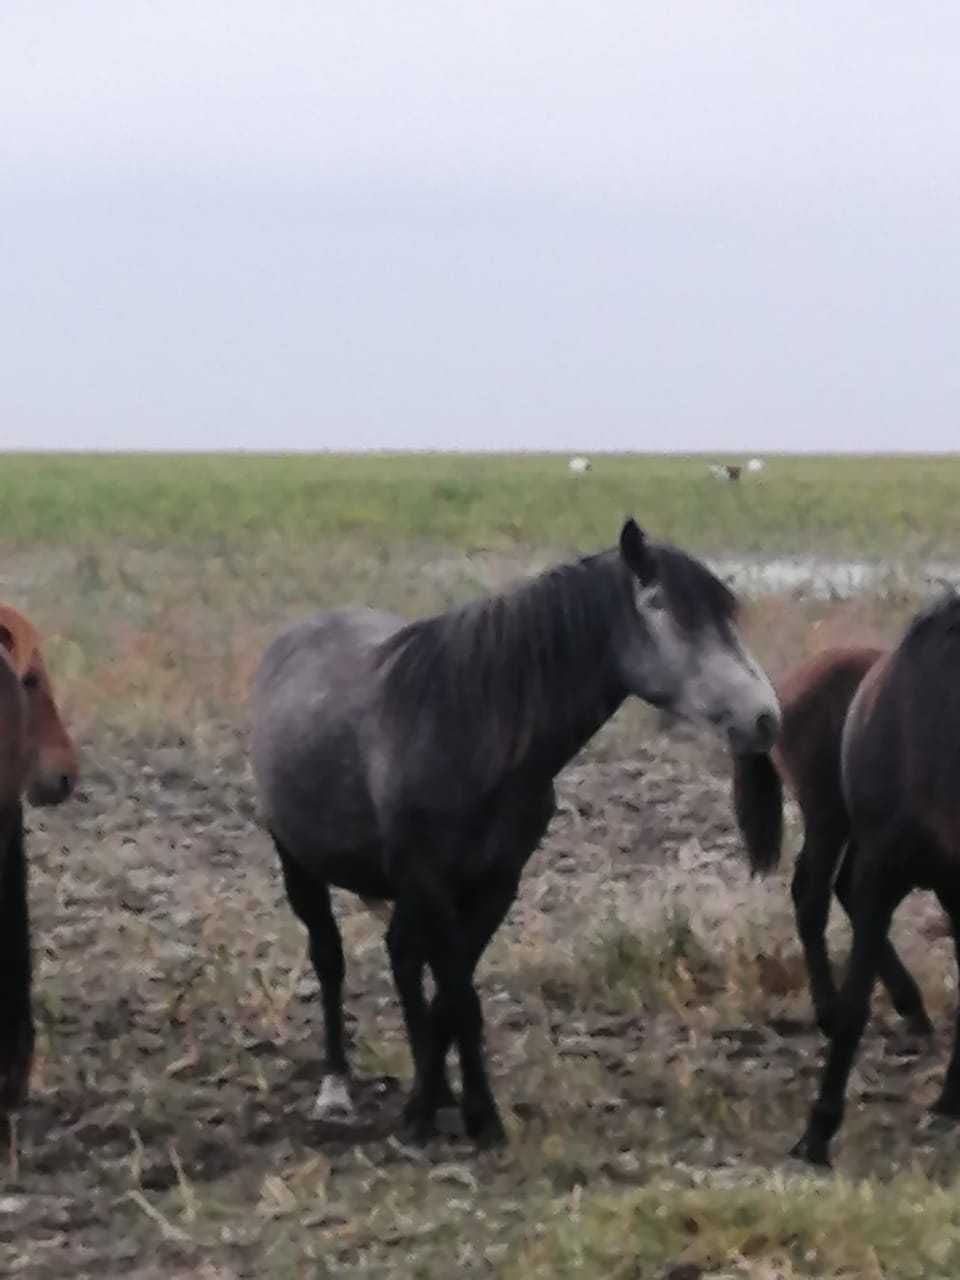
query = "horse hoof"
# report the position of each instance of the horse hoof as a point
(417, 1131)
(418, 1123)
(446, 1097)
(333, 1102)
(811, 1151)
(449, 1121)
(486, 1131)
(490, 1138)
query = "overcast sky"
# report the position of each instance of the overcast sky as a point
(494, 224)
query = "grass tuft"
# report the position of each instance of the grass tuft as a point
(790, 1227)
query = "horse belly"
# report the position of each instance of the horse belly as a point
(325, 819)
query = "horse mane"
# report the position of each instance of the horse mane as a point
(697, 598)
(494, 677)
(493, 673)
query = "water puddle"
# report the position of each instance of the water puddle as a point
(832, 579)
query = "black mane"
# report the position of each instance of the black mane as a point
(491, 676)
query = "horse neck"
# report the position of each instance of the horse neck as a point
(550, 751)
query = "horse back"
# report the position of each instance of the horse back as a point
(815, 698)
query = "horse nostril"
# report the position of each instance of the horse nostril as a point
(766, 728)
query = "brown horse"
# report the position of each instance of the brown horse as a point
(36, 758)
(899, 759)
(815, 698)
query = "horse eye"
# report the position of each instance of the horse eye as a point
(30, 680)
(655, 600)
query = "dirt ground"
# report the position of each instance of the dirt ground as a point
(645, 1009)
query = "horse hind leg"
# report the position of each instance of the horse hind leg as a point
(810, 889)
(901, 986)
(310, 901)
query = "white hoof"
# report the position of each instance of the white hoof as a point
(334, 1101)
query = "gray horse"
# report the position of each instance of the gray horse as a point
(414, 762)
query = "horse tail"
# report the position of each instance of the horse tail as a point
(758, 804)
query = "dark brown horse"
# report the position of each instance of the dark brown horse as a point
(815, 698)
(899, 770)
(36, 758)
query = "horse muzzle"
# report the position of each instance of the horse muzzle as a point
(51, 787)
(756, 737)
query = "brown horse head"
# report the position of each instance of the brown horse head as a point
(48, 770)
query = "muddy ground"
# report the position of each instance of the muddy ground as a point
(645, 1010)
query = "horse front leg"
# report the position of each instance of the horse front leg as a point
(491, 902)
(457, 1015)
(16, 1015)
(874, 903)
(406, 944)
(426, 927)
(948, 1104)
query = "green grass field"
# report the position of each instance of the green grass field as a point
(870, 505)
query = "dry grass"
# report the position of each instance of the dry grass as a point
(632, 999)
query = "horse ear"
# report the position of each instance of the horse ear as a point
(636, 552)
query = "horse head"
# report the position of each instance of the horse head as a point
(49, 758)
